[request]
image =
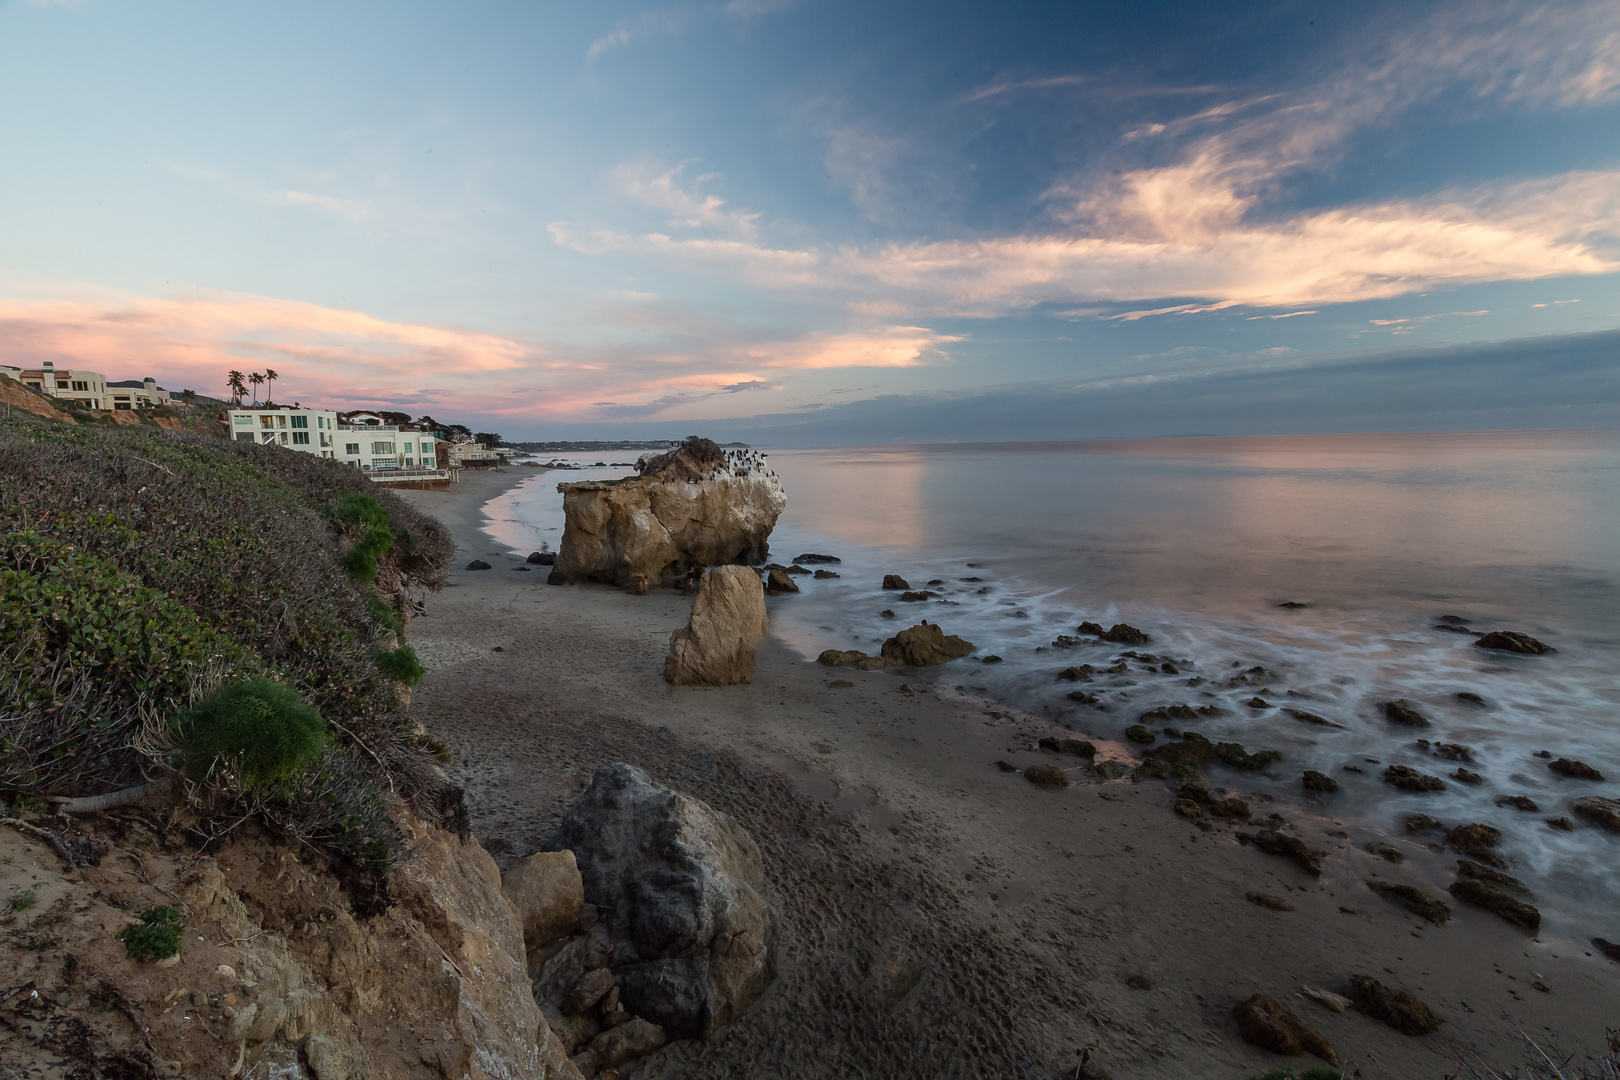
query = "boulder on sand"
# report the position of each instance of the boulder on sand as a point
(925, 645)
(546, 890)
(694, 943)
(1269, 1024)
(1397, 1008)
(716, 647)
(698, 505)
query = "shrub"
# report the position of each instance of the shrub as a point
(383, 615)
(401, 665)
(258, 728)
(363, 515)
(156, 937)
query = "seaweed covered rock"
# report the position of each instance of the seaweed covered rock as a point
(1402, 712)
(698, 505)
(1409, 779)
(1186, 758)
(1514, 642)
(694, 943)
(1599, 811)
(1476, 840)
(1265, 1022)
(1397, 1008)
(1315, 781)
(1273, 842)
(1124, 634)
(1413, 899)
(1574, 770)
(925, 645)
(1044, 775)
(1483, 894)
(728, 621)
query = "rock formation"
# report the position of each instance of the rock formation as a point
(697, 505)
(924, 645)
(716, 647)
(693, 943)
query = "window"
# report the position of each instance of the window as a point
(281, 421)
(382, 447)
(244, 436)
(352, 449)
(82, 387)
(284, 437)
(241, 419)
(407, 448)
(300, 438)
(301, 422)
(266, 421)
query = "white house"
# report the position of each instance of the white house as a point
(88, 389)
(380, 448)
(310, 430)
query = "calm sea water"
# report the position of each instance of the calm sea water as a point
(1198, 542)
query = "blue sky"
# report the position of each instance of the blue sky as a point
(806, 220)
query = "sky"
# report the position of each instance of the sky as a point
(805, 222)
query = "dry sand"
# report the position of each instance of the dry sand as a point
(941, 917)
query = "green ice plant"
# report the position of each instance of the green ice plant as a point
(156, 937)
(258, 728)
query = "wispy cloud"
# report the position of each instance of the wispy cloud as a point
(1013, 86)
(663, 190)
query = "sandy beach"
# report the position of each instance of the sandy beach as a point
(940, 916)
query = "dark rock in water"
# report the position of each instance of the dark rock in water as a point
(1453, 620)
(1518, 802)
(693, 940)
(1082, 673)
(1273, 842)
(1258, 703)
(895, 581)
(543, 558)
(778, 583)
(524, 569)
(1562, 824)
(1064, 641)
(1315, 781)
(1311, 718)
(1476, 840)
(1463, 776)
(1090, 628)
(1490, 877)
(925, 645)
(1542, 754)
(1514, 642)
(556, 578)
(1292, 605)
(887, 613)
(1449, 629)
(822, 575)
(1185, 760)
(1006, 766)
(1118, 669)
(1139, 734)
(797, 571)
(1169, 669)
(1387, 852)
(1419, 824)
(1209, 710)
(478, 564)
(1044, 775)
(1468, 697)
(1397, 1008)
(1269, 1024)
(1234, 755)
(991, 659)
(1078, 747)
(937, 581)
(1413, 899)
(1198, 793)
(1492, 899)
(1232, 807)
(1607, 948)
(839, 657)
(1574, 770)
(1402, 712)
(915, 597)
(1599, 811)
(1408, 779)
(971, 580)
(1454, 752)
(813, 558)
(1086, 699)
(1110, 770)
(1125, 634)
(1166, 713)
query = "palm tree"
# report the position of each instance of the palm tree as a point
(257, 380)
(188, 395)
(238, 388)
(270, 377)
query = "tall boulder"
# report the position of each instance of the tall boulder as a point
(716, 647)
(698, 505)
(694, 943)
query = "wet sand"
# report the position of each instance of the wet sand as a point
(941, 917)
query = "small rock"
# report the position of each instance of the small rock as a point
(1402, 712)
(895, 581)
(1273, 903)
(1397, 1008)
(1463, 776)
(1607, 948)
(1518, 802)
(1326, 998)
(1230, 808)
(1044, 775)
(1387, 852)
(478, 564)
(1258, 703)
(887, 613)
(1476, 840)
(777, 582)
(1468, 697)
(924, 645)
(1078, 747)
(1311, 718)
(936, 581)
(812, 557)
(1273, 842)
(1006, 766)
(1562, 824)
(1110, 770)
(1124, 634)
(1574, 770)
(1454, 752)
(1419, 824)
(1599, 811)
(1408, 779)
(1090, 628)
(1269, 1024)
(822, 575)
(1514, 642)
(1480, 894)
(915, 597)
(1139, 982)
(839, 657)
(1082, 673)
(542, 558)
(840, 684)
(1292, 605)
(624, 1042)
(1490, 877)
(1139, 734)
(591, 988)
(798, 571)
(1413, 899)
(1315, 781)
(991, 659)
(1453, 620)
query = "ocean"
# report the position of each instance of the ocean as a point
(1198, 542)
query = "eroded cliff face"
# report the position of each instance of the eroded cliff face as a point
(696, 506)
(276, 974)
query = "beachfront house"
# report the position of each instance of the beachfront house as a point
(87, 389)
(312, 431)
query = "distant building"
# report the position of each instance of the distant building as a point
(90, 389)
(135, 394)
(313, 431)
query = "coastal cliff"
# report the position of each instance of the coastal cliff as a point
(698, 505)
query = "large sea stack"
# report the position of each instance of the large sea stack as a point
(697, 505)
